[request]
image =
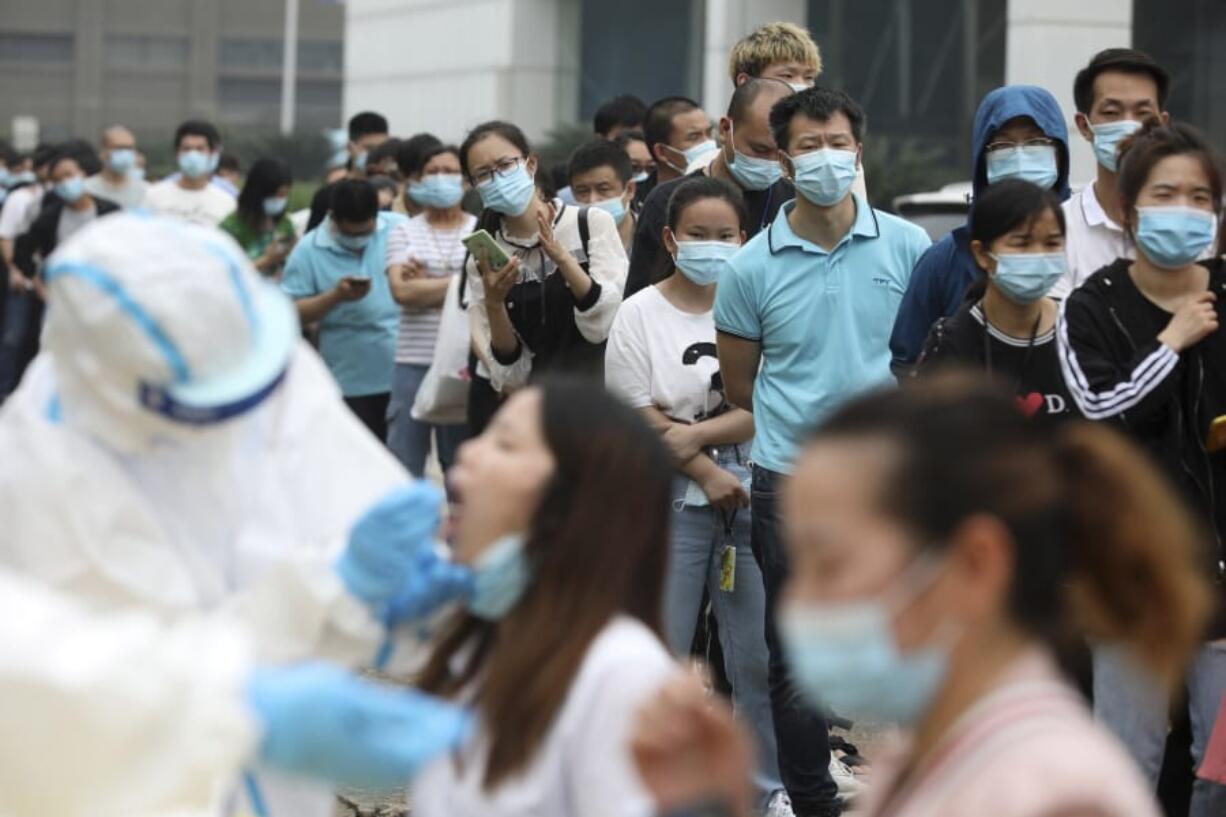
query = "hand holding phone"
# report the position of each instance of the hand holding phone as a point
(353, 287)
(485, 249)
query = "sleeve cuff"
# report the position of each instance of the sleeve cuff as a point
(506, 360)
(589, 300)
(736, 333)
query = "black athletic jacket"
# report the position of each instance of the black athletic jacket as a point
(1116, 370)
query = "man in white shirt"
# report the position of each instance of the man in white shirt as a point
(189, 196)
(18, 214)
(119, 180)
(1115, 94)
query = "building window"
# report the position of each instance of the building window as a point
(249, 54)
(248, 92)
(145, 51)
(46, 48)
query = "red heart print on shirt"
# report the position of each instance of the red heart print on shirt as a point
(1030, 404)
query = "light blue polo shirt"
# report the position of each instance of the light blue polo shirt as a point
(823, 320)
(357, 339)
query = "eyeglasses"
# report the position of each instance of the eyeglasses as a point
(1039, 142)
(504, 168)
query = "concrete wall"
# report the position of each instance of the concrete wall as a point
(446, 66)
(1049, 41)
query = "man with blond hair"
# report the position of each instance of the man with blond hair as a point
(776, 51)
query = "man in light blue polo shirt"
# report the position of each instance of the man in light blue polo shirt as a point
(804, 314)
(336, 277)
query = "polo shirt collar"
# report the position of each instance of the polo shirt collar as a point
(1093, 211)
(780, 234)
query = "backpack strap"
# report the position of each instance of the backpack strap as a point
(584, 235)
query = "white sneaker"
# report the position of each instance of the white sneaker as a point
(849, 785)
(780, 805)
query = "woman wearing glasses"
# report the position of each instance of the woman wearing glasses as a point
(550, 307)
(1019, 133)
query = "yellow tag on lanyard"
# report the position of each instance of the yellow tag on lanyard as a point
(727, 569)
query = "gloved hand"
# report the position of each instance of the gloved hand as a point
(386, 544)
(435, 581)
(325, 723)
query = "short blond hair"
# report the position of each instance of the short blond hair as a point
(773, 43)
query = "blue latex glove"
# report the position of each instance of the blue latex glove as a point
(435, 581)
(325, 723)
(386, 544)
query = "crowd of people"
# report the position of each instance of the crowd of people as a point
(691, 395)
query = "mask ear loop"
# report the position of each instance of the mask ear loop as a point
(905, 589)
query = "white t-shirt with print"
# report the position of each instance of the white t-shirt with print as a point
(660, 356)
(206, 206)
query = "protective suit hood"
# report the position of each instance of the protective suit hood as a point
(1006, 103)
(159, 330)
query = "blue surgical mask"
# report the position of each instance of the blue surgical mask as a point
(501, 575)
(5, 177)
(703, 261)
(121, 160)
(614, 207)
(824, 176)
(359, 161)
(195, 164)
(1173, 237)
(357, 243)
(438, 190)
(750, 172)
(1107, 138)
(1026, 277)
(1032, 163)
(844, 656)
(71, 189)
(693, 154)
(639, 178)
(275, 205)
(797, 87)
(510, 194)
(24, 177)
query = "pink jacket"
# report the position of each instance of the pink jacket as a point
(1027, 749)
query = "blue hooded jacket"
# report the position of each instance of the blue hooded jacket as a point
(943, 273)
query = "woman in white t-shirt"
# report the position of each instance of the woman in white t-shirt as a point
(562, 512)
(422, 257)
(661, 360)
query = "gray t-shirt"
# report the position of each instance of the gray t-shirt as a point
(129, 193)
(73, 220)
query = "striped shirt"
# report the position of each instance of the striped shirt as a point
(442, 254)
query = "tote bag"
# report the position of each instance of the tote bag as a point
(442, 398)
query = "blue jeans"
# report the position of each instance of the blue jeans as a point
(409, 439)
(1134, 707)
(698, 539)
(19, 334)
(801, 732)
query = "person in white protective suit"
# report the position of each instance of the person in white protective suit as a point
(118, 716)
(176, 447)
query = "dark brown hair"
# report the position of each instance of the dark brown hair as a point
(1149, 146)
(598, 544)
(1102, 545)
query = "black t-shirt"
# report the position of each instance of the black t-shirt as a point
(1030, 365)
(650, 262)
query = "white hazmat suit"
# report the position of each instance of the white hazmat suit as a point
(176, 447)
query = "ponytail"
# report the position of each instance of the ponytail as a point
(1134, 572)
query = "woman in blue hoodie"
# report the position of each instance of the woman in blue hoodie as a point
(1019, 133)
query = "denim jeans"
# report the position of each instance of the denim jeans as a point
(801, 732)
(409, 439)
(1134, 707)
(698, 539)
(19, 334)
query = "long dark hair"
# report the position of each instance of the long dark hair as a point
(1001, 209)
(599, 544)
(1101, 544)
(264, 179)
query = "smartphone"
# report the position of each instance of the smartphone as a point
(1217, 435)
(483, 246)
